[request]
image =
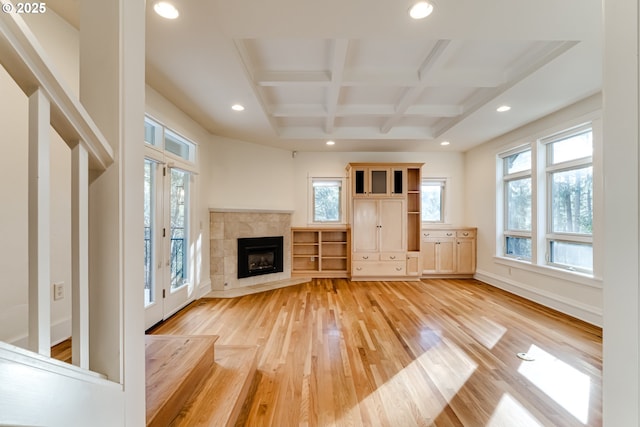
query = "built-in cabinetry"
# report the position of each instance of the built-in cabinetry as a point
(385, 220)
(449, 252)
(320, 252)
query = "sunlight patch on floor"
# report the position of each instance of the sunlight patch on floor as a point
(510, 412)
(408, 398)
(563, 383)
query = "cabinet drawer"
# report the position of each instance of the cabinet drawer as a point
(366, 256)
(379, 268)
(392, 256)
(429, 234)
(466, 233)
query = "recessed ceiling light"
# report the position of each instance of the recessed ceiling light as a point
(503, 108)
(421, 10)
(445, 143)
(331, 143)
(166, 10)
(237, 107)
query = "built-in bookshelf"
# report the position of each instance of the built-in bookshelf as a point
(414, 204)
(320, 252)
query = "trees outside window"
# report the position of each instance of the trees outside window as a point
(570, 214)
(327, 200)
(433, 193)
(547, 204)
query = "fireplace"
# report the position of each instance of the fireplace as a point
(260, 255)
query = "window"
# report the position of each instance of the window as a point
(547, 201)
(570, 214)
(156, 135)
(326, 200)
(433, 199)
(517, 204)
(152, 132)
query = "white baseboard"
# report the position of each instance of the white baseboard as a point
(203, 288)
(60, 331)
(579, 310)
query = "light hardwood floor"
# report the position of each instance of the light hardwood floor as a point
(436, 352)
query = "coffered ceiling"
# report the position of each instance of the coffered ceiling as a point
(364, 74)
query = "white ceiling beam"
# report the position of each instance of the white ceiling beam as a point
(358, 132)
(367, 77)
(378, 110)
(247, 67)
(412, 93)
(338, 61)
(292, 78)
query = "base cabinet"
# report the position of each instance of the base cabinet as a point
(448, 253)
(413, 264)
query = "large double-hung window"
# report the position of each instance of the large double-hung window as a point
(570, 199)
(547, 201)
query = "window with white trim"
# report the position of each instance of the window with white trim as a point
(327, 201)
(516, 177)
(547, 201)
(569, 170)
(433, 193)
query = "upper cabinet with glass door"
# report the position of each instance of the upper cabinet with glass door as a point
(377, 180)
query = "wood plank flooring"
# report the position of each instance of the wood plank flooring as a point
(430, 353)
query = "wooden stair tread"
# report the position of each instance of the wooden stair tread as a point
(219, 399)
(175, 365)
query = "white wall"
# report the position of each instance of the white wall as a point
(244, 175)
(61, 45)
(332, 164)
(580, 299)
(621, 380)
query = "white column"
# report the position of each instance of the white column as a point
(112, 89)
(80, 256)
(39, 225)
(621, 218)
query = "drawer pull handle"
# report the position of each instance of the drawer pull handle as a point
(465, 234)
(392, 257)
(449, 234)
(365, 257)
(426, 234)
(358, 268)
(398, 268)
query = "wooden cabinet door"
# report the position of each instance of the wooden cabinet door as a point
(429, 257)
(365, 225)
(392, 225)
(466, 256)
(446, 255)
(413, 264)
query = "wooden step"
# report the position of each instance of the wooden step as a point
(175, 366)
(219, 399)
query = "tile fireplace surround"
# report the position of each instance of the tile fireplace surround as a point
(226, 226)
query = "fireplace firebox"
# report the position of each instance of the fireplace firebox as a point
(260, 255)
